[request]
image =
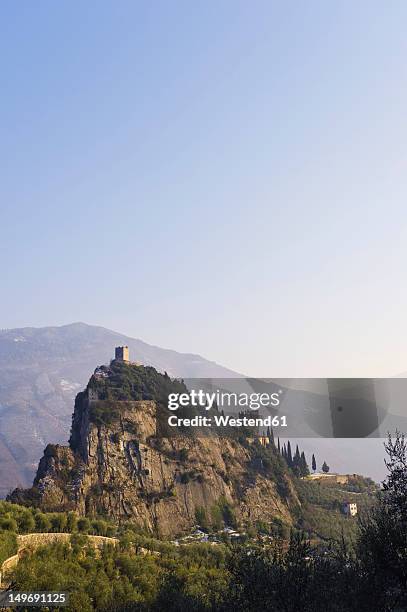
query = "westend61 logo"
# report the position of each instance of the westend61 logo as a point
(222, 399)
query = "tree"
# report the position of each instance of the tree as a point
(273, 579)
(71, 521)
(25, 522)
(201, 517)
(382, 543)
(8, 545)
(303, 465)
(395, 484)
(99, 527)
(296, 467)
(289, 454)
(278, 445)
(58, 521)
(314, 463)
(216, 517)
(297, 456)
(83, 524)
(42, 522)
(8, 523)
(325, 467)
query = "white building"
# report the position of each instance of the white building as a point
(350, 508)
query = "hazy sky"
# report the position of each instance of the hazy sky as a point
(227, 178)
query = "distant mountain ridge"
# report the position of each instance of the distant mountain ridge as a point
(41, 371)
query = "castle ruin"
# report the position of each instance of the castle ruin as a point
(121, 353)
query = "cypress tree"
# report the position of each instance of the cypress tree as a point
(314, 463)
(289, 454)
(325, 467)
(297, 456)
(296, 462)
(303, 465)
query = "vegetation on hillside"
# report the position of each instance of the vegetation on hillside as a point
(284, 576)
(124, 384)
(321, 507)
(121, 579)
(8, 545)
(319, 560)
(16, 519)
(368, 574)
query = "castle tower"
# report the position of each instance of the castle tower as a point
(121, 353)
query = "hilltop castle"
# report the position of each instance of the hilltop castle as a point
(121, 353)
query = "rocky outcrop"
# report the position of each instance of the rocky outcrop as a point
(41, 371)
(119, 467)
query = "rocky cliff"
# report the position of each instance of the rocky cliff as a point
(118, 465)
(41, 371)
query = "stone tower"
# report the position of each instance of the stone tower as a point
(121, 353)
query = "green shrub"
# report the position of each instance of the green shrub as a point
(8, 545)
(42, 522)
(83, 525)
(58, 522)
(201, 517)
(183, 454)
(25, 522)
(7, 523)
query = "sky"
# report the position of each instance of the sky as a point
(225, 178)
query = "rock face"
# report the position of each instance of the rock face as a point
(117, 465)
(41, 371)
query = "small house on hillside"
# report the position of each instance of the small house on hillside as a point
(349, 508)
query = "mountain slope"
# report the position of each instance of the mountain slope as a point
(118, 465)
(42, 369)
